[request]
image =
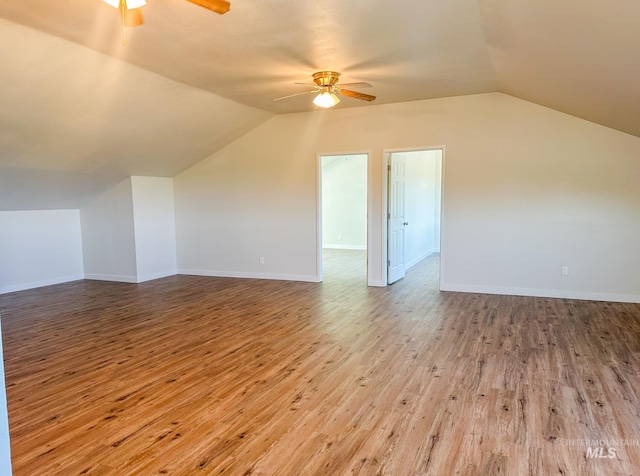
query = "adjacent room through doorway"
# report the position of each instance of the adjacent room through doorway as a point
(344, 218)
(414, 184)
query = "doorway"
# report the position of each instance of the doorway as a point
(413, 204)
(343, 223)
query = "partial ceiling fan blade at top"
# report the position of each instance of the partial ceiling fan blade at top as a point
(218, 6)
(294, 95)
(357, 95)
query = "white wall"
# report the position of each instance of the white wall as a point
(154, 227)
(422, 190)
(244, 203)
(108, 236)
(5, 446)
(39, 248)
(128, 233)
(526, 190)
(344, 202)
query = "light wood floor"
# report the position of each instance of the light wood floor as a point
(344, 267)
(195, 375)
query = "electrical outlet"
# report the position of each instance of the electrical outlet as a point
(261, 259)
(565, 271)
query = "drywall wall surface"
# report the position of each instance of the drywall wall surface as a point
(256, 198)
(108, 236)
(39, 248)
(526, 191)
(154, 227)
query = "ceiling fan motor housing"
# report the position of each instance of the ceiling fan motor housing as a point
(326, 78)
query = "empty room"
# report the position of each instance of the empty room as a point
(171, 297)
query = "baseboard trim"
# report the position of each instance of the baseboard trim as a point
(247, 275)
(112, 277)
(152, 276)
(39, 284)
(377, 283)
(536, 292)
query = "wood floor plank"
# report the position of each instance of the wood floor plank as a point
(196, 375)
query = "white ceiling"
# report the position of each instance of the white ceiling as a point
(79, 111)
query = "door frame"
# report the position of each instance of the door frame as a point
(386, 155)
(370, 209)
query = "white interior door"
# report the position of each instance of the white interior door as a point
(396, 218)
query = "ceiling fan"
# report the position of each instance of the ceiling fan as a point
(326, 85)
(132, 15)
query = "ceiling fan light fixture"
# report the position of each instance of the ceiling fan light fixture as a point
(327, 90)
(326, 99)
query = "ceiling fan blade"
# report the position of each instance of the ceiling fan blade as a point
(355, 85)
(218, 6)
(306, 84)
(294, 95)
(354, 94)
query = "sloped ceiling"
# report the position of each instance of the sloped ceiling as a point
(79, 111)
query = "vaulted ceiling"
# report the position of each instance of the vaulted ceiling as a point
(79, 111)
